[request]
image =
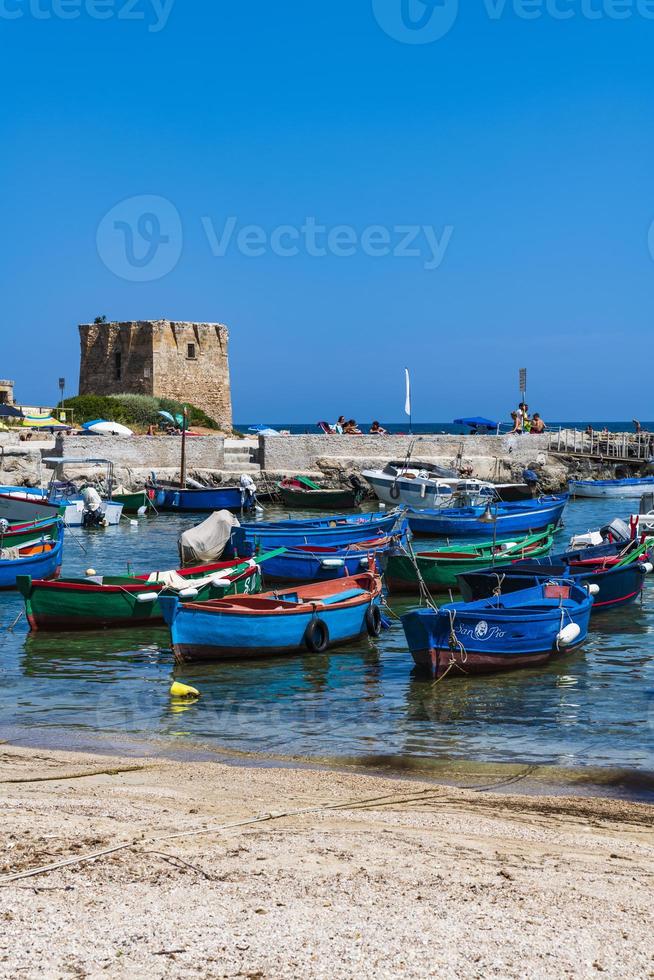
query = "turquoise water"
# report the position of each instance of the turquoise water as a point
(590, 710)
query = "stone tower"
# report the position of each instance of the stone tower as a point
(185, 361)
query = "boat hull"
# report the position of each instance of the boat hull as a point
(256, 537)
(512, 518)
(483, 638)
(19, 534)
(83, 604)
(617, 587)
(45, 564)
(205, 501)
(440, 573)
(334, 500)
(24, 507)
(625, 489)
(132, 503)
(272, 628)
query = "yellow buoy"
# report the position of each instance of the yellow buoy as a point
(178, 690)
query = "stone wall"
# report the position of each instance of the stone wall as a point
(307, 452)
(101, 344)
(147, 452)
(171, 359)
(203, 378)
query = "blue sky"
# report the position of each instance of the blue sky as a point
(513, 156)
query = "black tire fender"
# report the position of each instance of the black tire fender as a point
(373, 620)
(394, 492)
(316, 636)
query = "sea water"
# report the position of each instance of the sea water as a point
(587, 715)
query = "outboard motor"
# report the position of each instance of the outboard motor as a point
(248, 492)
(93, 515)
(618, 531)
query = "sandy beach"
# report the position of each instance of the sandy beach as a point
(220, 871)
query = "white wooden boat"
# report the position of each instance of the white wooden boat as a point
(633, 488)
(424, 486)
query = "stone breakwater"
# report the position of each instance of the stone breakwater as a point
(330, 459)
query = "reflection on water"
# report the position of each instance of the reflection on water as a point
(591, 708)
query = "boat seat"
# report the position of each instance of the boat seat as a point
(341, 597)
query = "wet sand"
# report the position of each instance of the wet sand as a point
(373, 876)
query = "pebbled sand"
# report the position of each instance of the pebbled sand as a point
(404, 878)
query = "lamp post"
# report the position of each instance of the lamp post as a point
(62, 386)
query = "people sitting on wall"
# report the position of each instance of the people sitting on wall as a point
(517, 423)
(339, 425)
(351, 428)
(537, 425)
(378, 430)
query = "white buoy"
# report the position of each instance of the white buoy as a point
(147, 597)
(188, 593)
(646, 567)
(568, 635)
(90, 572)
(220, 583)
(593, 589)
(134, 524)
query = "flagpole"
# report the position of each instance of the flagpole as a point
(408, 408)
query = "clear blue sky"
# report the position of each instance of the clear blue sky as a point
(528, 143)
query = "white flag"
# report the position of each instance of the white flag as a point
(407, 404)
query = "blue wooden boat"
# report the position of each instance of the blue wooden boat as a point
(615, 580)
(195, 500)
(307, 619)
(509, 518)
(504, 632)
(250, 539)
(321, 563)
(40, 558)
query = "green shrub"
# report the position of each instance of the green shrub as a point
(135, 411)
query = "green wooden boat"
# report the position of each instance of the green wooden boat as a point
(300, 492)
(439, 569)
(17, 535)
(133, 502)
(105, 601)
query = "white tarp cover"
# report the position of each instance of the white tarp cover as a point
(206, 542)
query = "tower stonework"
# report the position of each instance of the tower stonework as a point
(166, 358)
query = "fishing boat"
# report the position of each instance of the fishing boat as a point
(423, 485)
(41, 558)
(632, 488)
(12, 535)
(316, 563)
(615, 580)
(173, 498)
(330, 531)
(508, 518)
(438, 570)
(300, 492)
(134, 503)
(504, 632)
(306, 619)
(106, 601)
(23, 505)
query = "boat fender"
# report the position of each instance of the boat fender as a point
(221, 583)
(394, 492)
(90, 572)
(593, 589)
(178, 690)
(567, 636)
(187, 593)
(147, 597)
(646, 567)
(332, 563)
(373, 620)
(507, 545)
(316, 636)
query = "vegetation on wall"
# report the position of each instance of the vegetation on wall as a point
(135, 411)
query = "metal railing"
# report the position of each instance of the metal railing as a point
(622, 446)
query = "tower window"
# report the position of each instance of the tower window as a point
(190, 352)
(118, 357)
(146, 371)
